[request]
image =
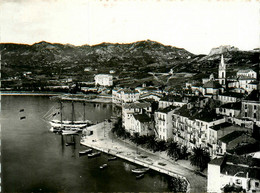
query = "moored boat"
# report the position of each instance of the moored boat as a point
(103, 166)
(112, 158)
(140, 176)
(140, 170)
(83, 152)
(94, 154)
(70, 143)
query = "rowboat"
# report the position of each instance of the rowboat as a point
(103, 166)
(140, 170)
(112, 158)
(94, 154)
(87, 151)
(140, 176)
(70, 143)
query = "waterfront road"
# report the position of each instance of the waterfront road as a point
(102, 139)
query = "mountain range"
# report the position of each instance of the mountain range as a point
(133, 59)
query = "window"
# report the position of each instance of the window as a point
(245, 106)
(245, 114)
(255, 107)
(255, 115)
(257, 184)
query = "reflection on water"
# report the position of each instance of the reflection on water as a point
(36, 160)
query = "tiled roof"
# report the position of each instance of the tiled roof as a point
(212, 84)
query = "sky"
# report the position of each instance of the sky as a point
(196, 25)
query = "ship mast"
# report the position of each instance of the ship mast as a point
(72, 114)
(84, 118)
(61, 113)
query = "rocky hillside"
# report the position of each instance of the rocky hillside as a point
(50, 61)
(46, 58)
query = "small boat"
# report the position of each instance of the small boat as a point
(112, 158)
(21, 118)
(94, 154)
(103, 166)
(140, 170)
(21, 110)
(69, 132)
(140, 176)
(87, 151)
(70, 143)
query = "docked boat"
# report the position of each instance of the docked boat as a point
(103, 166)
(66, 124)
(83, 152)
(70, 143)
(140, 170)
(140, 176)
(112, 158)
(94, 154)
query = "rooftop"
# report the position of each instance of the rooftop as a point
(236, 106)
(172, 98)
(167, 109)
(221, 126)
(245, 71)
(204, 114)
(231, 136)
(212, 84)
(241, 165)
(233, 94)
(136, 105)
(253, 96)
(142, 118)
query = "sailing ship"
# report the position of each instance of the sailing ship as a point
(58, 125)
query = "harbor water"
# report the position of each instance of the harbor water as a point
(33, 159)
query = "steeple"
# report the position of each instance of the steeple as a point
(222, 63)
(222, 72)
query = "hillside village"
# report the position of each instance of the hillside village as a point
(219, 115)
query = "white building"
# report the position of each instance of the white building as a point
(124, 95)
(104, 80)
(163, 123)
(247, 73)
(234, 171)
(141, 124)
(129, 109)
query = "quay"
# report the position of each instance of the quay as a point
(103, 140)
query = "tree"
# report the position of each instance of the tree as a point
(173, 150)
(161, 145)
(184, 152)
(151, 143)
(200, 158)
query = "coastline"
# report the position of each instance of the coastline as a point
(29, 93)
(103, 140)
(62, 96)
